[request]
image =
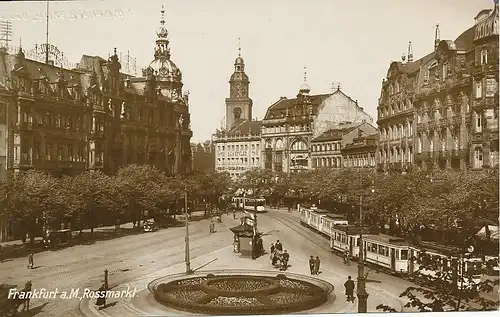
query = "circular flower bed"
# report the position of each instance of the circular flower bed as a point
(240, 294)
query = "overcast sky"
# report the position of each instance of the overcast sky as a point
(350, 41)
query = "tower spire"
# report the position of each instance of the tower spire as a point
(305, 74)
(410, 53)
(239, 47)
(437, 37)
(162, 21)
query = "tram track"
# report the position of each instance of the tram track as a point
(304, 232)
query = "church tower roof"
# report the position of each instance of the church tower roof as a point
(162, 66)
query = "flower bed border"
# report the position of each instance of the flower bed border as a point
(318, 295)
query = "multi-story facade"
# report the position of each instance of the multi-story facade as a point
(327, 148)
(441, 111)
(290, 125)
(361, 152)
(94, 117)
(203, 155)
(237, 146)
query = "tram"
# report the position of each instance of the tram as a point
(250, 204)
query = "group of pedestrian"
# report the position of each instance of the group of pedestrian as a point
(276, 250)
(314, 264)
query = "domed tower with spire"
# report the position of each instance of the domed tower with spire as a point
(168, 76)
(238, 105)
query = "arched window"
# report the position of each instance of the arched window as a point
(279, 144)
(419, 144)
(478, 157)
(299, 145)
(431, 143)
(269, 144)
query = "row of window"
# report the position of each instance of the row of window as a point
(236, 161)
(328, 162)
(59, 152)
(396, 155)
(385, 251)
(366, 160)
(282, 129)
(394, 132)
(394, 109)
(335, 146)
(237, 147)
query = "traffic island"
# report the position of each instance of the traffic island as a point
(240, 292)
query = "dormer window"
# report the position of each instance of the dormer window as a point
(484, 56)
(445, 71)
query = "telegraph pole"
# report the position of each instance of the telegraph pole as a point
(188, 264)
(362, 294)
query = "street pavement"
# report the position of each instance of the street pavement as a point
(138, 259)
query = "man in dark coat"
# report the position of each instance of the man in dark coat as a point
(278, 245)
(286, 258)
(316, 265)
(312, 264)
(349, 289)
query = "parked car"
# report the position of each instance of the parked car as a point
(150, 226)
(57, 238)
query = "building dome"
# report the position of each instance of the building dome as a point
(239, 60)
(165, 70)
(305, 87)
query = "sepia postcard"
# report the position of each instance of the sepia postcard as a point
(268, 157)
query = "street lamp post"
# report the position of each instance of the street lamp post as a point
(188, 264)
(362, 294)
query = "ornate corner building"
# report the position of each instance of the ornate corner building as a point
(93, 117)
(441, 111)
(290, 126)
(237, 146)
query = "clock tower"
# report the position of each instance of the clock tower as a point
(238, 105)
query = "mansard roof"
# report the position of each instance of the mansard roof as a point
(464, 42)
(277, 109)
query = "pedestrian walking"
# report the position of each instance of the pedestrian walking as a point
(317, 262)
(349, 289)
(234, 214)
(272, 248)
(312, 264)
(286, 258)
(101, 299)
(30, 260)
(278, 245)
(212, 226)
